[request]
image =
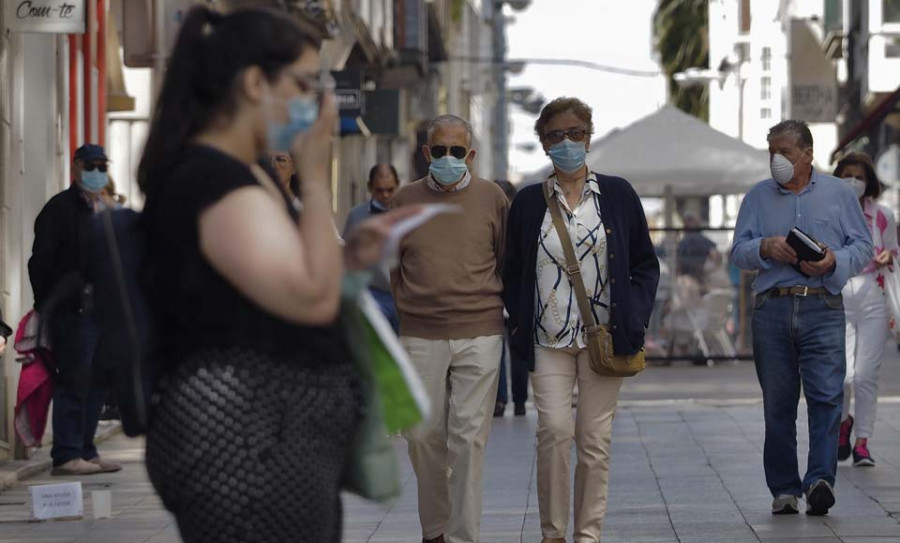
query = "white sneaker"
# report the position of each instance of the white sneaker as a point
(785, 504)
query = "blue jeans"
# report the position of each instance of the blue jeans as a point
(386, 302)
(77, 398)
(800, 340)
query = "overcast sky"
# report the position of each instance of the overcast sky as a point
(611, 32)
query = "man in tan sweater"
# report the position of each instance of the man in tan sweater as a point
(447, 289)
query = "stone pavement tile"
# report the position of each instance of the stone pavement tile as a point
(165, 537)
(803, 540)
(869, 527)
(648, 529)
(41, 539)
(767, 525)
(117, 536)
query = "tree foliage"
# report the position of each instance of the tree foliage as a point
(681, 28)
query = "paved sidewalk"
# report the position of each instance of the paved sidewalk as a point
(683, 471)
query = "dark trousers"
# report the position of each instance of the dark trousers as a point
(386, 303)
(800, 341)
(79, 389)
(519, 373)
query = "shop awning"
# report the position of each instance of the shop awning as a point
(671, 150)
(890, 104)
(117, 97)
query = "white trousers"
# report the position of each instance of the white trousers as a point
(555, 374)
(865, 310)
(447, 452)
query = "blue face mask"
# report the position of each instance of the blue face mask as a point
(448, 170)
(568, 156)
(94, 180)
(302, 114)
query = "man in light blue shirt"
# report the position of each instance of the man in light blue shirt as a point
(798, 318)
(383, 184)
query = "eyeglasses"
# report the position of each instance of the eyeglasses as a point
(91, 167)
(281, 159)
(574, 134)
(317, 83)
(457, 151)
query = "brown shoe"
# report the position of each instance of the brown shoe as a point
(553, 540)
(438, 539)
(77, 467)
(105, 467)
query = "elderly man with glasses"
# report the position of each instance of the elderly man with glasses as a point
(448, 294)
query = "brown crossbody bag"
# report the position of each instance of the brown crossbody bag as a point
(597, 336)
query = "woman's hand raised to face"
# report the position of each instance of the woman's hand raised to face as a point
(312, 150)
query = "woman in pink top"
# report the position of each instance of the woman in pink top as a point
(866, 311)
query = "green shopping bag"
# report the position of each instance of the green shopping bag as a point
(393, 396)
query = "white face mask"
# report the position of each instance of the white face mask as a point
(782, 169)
(857, 184)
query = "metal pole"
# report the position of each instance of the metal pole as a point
(501, 125)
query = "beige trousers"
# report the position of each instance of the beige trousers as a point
(447, 452)
(553, 380)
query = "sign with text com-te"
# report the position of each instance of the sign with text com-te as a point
(49, 16)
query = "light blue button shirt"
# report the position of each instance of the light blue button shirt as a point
(826, 209)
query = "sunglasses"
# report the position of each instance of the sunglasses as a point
(574, 134)
(92, 167)
(456, 151)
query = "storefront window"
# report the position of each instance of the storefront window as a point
(891, 11)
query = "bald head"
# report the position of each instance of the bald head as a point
(383, 183)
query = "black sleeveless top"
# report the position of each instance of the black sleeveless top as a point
(197, 308)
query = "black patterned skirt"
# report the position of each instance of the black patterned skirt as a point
(246, 448)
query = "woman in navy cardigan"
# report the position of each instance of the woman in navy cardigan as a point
(606, 223)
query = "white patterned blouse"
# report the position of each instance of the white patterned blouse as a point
(557, 319)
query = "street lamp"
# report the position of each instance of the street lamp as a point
(697, 77)
(501, 124)
(517, 5)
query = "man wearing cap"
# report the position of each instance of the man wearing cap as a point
(56, 269)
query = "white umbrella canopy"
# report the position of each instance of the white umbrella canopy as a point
(672, 148)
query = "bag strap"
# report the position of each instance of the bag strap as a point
(572, 269)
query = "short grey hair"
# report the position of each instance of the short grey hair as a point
(798, 130)
(449, 120)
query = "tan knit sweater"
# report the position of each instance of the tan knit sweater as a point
(448, 285)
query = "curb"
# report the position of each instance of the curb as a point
(16, 471)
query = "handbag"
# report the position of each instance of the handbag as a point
(891, 275)
(599, 340)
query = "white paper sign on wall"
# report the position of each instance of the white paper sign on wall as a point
(60, 501)
(47, 16)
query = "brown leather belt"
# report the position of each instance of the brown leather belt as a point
(796, 291)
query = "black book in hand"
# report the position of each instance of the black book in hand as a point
(807, 248)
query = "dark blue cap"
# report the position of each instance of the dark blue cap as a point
(91, 153)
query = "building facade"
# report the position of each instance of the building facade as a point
(61, 87)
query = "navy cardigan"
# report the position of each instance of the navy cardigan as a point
(633, 265)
